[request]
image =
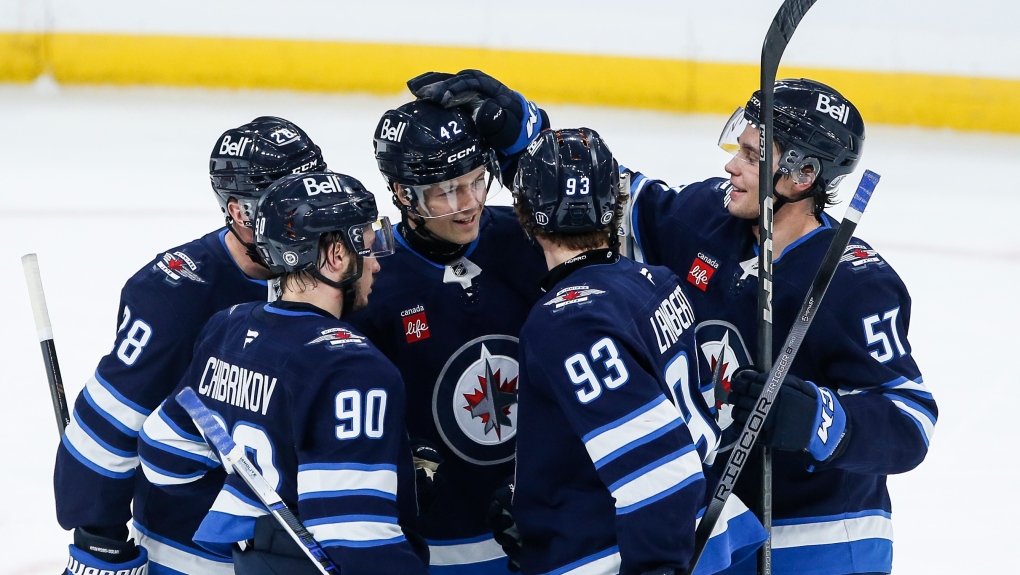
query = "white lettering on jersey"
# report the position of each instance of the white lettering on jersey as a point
(671, 318)
(237, 386)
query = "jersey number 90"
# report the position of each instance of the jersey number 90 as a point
(359, 414)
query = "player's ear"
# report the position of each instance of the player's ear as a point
(398, 192)
(235, 212)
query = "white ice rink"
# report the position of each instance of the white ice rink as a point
(97, 181)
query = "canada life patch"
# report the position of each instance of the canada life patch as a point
(701, 271)
(416, 325)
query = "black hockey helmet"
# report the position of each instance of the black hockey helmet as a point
(422, 143)
(813, 122)
(298, 209)
(570, 181)
(246, 159)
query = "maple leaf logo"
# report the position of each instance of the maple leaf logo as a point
(493, 401)
(859, 253)
(176, 264)
(572, 294)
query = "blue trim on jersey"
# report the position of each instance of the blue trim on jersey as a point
(661, 495)
(120, 397)
(228, 529)
(637, 442)
(107, 416)
(657, 463)
(443, 542)
(362, 544)
(341, 466)
(347, 493)
(584, 560)
(861, 556)
(223, 242)
(827, 225)
(491, 567)
(892, 385)
(95, 437)
(912, 403)
(836, 517)
(270, 308)
(162, 471)
(173, 425)
(208, 462)
(400, 239)
(237, 493)
(614, 424)
(88, 463)
(352, 518)
(178, 545)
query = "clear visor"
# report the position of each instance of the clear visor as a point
(792, 163)
(373, 240)
(454, 196)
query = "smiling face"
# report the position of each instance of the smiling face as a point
(450, 209)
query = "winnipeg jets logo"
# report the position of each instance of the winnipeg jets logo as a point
(474, 403)
(721, 353)
(178, 266)
(492, 399)
(338, 337)
(573, 296)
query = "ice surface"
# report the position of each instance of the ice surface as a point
(98, 180)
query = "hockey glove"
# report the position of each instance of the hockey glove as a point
(426, 464)
(803, 417)
(505, 119)
(500, 520)
(96, 554)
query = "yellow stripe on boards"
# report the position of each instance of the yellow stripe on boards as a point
(958, 102)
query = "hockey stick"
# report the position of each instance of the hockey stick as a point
(812, 300)
(233, 457)
(778, 37)
(49, 350)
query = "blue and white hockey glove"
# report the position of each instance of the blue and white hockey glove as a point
(500, 520)
(92, 553)
(804, 417)
(506, 120)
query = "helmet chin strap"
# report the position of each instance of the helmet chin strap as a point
(428, 244)
(347, 286)
(778, 200)
(249, 248)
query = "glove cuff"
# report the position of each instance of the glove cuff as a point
(82, 561)
(830, 425)
(533, 120)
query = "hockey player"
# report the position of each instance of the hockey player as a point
(614, 427)
(319, 409)
(163, 307)
(449, 309)
(830, 503)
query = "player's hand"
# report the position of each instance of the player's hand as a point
(804, 417)
(505, 119)
(93, 553)
(426, 467)
(500, 520)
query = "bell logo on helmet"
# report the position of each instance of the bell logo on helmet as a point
(461, 154)
(314, 187)
(394, 133)
(229, 148)
(840, 112)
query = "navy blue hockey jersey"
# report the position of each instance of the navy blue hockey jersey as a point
(614, 426)
(452, 331)
(321, 413)
(162, 309)
(830, 520)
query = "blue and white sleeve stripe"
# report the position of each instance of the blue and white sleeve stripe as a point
(122, 413)
(637, 428)
(355, 530)
(657, 480)
(98, 455)
(910, 397)
(347, 479)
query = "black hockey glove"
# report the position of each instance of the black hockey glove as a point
(803, 417)
(505, 119)
(93, 553)
(500, 520)
(426, 466)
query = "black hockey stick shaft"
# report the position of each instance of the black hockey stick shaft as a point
(232, 455)
(778, 37)
(812, 300)
(45, 331)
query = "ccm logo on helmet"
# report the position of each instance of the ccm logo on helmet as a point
(228, 148)
(315, 187)
(840, 112)
(461, 154)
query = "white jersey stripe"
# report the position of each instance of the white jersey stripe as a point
(228, 502)
(465, 553)
(926, 425)
(96, 453)
(666, 475)
(164, 436)
(829, 532)
(383, 479)
(180, 560)
(354, 532)
(128, 415)
(632, 430)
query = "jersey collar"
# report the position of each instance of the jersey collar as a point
(584, 259)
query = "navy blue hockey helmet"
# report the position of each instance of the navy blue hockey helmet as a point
(246, 159)
(298, 209)
(422, 143)
(570, 181)
(815, 126)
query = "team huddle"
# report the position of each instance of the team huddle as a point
(547, 388)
